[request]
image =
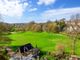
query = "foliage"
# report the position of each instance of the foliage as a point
(50, 27)
(61, 24)
(5, 40)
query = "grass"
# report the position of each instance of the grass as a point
(44, 41)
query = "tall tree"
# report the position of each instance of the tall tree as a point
(62, 24)
(74, 30)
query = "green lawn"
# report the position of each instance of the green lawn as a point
(45, 41)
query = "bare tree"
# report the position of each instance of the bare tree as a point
(74, 30)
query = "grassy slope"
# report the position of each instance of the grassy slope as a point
(45, 41)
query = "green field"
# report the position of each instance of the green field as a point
(44, 41)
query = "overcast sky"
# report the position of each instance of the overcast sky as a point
(20, 11)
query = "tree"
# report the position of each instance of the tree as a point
(3, 29)
(61, 24)
(28, 26)
(36, 28)
(74, 30)
(51, 27)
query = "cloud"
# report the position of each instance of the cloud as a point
(32, 9)
(46, 2)
(12, 7)
(60, 12)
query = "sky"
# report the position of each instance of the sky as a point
(23, 11)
